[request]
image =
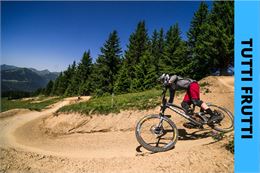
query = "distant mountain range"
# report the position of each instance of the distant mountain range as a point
(24, 79)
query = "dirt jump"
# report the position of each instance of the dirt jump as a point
(45, 141)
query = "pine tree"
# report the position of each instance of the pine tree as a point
(85, 66)
(222, 35)
(82, 76)
(123, 81)
(74, 80)
(199, 18)
(55, 85)
(72, 88)
(108, 63)
(137, 47)
(140, 71)
(149, 71)
(138, 44)
(64, 81)
(174, 51)
(161, 48)
(199, 43)
(155, 47)
(211, 38)
(157, 50)
(49, 88)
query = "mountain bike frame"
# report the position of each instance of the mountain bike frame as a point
(179, 110)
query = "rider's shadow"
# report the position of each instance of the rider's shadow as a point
(139, 152)
(199, 134)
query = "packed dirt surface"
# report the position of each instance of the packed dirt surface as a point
(13, 112)
(50, 142)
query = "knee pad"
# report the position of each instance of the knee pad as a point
(185, 105)
(197, 102)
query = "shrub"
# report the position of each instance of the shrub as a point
(230, 146)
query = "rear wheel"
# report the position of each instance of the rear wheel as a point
(156, 133)
(227, 122)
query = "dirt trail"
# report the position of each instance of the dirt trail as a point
(43, 142)
(227, 81)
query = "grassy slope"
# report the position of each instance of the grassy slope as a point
(12, 104)
(105, 105)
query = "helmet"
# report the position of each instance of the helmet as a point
(164, 78)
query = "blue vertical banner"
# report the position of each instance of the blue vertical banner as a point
(247, 80)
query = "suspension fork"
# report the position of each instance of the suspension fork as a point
(160, 123)
(163, 108)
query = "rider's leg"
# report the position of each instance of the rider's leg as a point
(205, 107)
(194, 91)
(185, 104)
(213, 115)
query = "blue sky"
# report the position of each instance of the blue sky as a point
(51, 35)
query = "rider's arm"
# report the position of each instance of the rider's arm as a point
(172, 87)
(172, 93)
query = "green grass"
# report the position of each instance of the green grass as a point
(230, 146)
(104, 105)
(203, 84)
(217, 136)
(13, 104)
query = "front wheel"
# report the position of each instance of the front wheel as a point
(227, 122)
(156, 133)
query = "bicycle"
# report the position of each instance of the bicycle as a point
(163, 131)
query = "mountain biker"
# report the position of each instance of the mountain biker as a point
(192, 96)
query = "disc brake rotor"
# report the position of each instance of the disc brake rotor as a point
(158, 131)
